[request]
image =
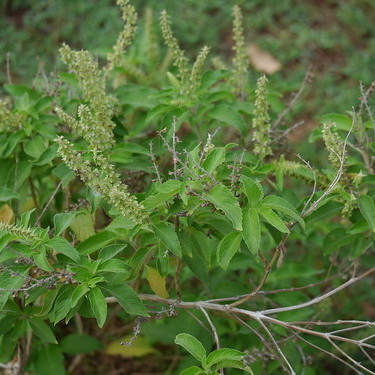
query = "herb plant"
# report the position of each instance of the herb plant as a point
(174, 193)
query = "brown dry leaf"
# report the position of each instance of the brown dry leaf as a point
(262, 60)
(6, 214)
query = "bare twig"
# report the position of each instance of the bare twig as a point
(289, 130)
(48, 203)
(153, 161)
(295, 98)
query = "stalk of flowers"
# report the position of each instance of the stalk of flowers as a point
(178, 55)
(9, 121)
(95, 120)
(20, 231)
(129, 16)
(103, 179)
(196, 71)
(261, 122)
(240, 59)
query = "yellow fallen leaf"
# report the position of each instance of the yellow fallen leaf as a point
(139, 348)
(262, 60)
(83, 226)
(6, 214)
(156, 282)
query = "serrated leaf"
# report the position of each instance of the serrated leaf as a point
(127, 298)
(367, 208)
(192, 345)
(253, 190)
(214, 158)
(228, 247)
(251, 229)
(42, 330)
(167, 235)
(156, 282)
(163, 192)
(272, 219)
(282, 205)
(61, 245)
(223, 198)
(98, 305)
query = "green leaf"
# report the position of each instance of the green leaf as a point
(253, 190)
(78, 293)
(61, 245)
(35, 146)
(83, 226)
(114, 265)
(127, 298)
(96, 242)
(214, 158)
(192, 345)
(49, 361)
(228, 247)
(194, 370)
(163, 192)
(41, 260)
(156, 282)
(64, 174)
(167, 235)
(137, 96)
(360, 245)
(42, 330)
(342, 122)
(336, 239)
(225, 113)
(223, 354)
(234, 364)
(62, 304)
(272, 219)
(367, 208)
(63, 220)
(282, 205)
(110, 251)
(78, 343)
(223, 198)
(251, 229)
(8, 194)
(98, 305)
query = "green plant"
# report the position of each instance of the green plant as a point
(181, 193)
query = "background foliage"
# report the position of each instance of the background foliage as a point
(223, 192)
